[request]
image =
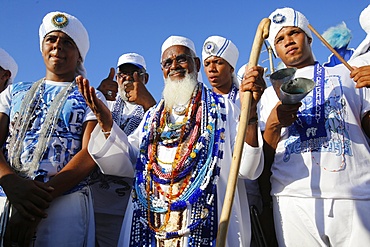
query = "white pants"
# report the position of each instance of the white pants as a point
(70, 222)
(321, 222)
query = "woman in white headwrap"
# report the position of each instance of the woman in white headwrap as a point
(8, 69)
(44, 171)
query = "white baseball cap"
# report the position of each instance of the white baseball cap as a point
(132, 58)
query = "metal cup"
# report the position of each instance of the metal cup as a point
(295, 90)
(289, 90)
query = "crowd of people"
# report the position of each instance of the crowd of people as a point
(110, 166)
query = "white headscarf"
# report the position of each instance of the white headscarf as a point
(8, 63)
(221, 47)
(70, 25)
(286, 17)
(364, 20)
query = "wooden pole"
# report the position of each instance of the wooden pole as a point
(330, 48)
(261, 34)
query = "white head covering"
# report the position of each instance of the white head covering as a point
(70, 25)
(177, 40)
(364, 20)
(286, 17)
(180, 40)
(132, 58)
(221, 47)
(8, 63)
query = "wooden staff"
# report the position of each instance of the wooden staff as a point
(261, 34)
(330, 48)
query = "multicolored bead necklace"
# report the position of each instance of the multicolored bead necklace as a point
(194, 171)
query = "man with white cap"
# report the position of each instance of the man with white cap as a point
(45, 167)
(111, 193)
(8, 69)
(317, 149)
(220, 56)
(182, 150)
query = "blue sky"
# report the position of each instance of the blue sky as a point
(117, 27)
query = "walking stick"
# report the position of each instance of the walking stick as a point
(330, 48)
(261, 34)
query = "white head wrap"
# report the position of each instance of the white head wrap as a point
(8, 63)
(180, 40)
(221, 47)
(364, 20)
(286, 17)
(132, 58)
(70, 25)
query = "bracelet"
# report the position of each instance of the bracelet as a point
(253, 120)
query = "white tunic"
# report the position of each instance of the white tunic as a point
(114, 153)
(299, 172)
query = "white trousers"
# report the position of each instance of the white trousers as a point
(321, 222)
(70, 222)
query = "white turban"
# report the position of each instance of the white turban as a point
(364, 20)
(8, 63)
(221, 47)
(70, 25)
(286, 17)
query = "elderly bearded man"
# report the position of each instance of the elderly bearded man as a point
(182, 150)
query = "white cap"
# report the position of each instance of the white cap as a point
(364, 20)
(70, 25)
(177, 40)
(132, 58)
(220, 47)
(286, 17)
(8, 63)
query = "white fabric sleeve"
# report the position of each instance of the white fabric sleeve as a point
(251, 163)
(112, 154)
(361, 60)
(252, 160)
(5, 100)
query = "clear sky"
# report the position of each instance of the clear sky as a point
(120, 26)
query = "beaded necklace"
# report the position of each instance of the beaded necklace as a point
(198, 167)
(27, 110)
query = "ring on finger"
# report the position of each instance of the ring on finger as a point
(293, 116)
(109, 92)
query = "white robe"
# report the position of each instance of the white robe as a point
(117, 151)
